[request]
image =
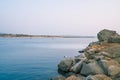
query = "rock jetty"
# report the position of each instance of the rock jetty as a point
(99, 60)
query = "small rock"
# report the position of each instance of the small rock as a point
(81, 51)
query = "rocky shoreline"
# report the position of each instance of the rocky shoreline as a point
(99, 60)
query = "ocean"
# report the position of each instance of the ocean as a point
(36, 58)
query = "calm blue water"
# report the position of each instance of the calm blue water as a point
(36, 58)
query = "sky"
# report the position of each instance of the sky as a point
(59, 17)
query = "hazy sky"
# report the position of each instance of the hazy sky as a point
(61, 17)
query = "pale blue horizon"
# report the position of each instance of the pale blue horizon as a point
(59, 17)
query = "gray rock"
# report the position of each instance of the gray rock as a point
(98, 77)
(105, 34)
(65, 64)
(77, 67)
(114, 39)
(91, 68)
(111, 67)
(58, 78)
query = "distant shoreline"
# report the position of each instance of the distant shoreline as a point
(40, 36)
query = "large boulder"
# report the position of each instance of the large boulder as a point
(98, 77)
(91, 68)
(111, 67)
(105, 34)
(65, 64)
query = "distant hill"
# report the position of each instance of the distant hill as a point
(14, 35)
(41, 36)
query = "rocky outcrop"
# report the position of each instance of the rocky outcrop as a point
(98, 61)
(104, 35)
(108, 36)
